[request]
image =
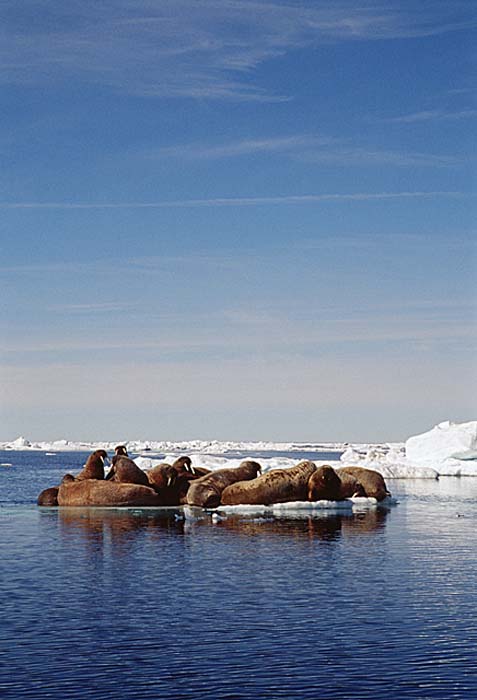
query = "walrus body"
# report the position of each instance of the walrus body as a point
(92, 492)
(276, 486)
(125, 471)
(371, 481)
(48, 497)
(330, 485)
(94, 467)
(207, 490)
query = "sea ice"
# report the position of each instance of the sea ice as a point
(444, 441)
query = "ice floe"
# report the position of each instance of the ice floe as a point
(297, 508)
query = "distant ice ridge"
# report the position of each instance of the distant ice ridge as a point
(449, 449)
(166, 446)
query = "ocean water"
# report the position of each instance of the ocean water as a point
(139, 603)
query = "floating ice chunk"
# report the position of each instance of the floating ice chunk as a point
(444, 441)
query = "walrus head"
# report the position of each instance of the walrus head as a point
(324, 484)
(121, 450)
(184, 463)
(251, 468)
(100, 455)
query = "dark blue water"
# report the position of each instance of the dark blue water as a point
(138, 604)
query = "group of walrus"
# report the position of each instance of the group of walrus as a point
(181, 483)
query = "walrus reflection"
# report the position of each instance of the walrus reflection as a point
(115, 526)
(327, 527)
(372, 520)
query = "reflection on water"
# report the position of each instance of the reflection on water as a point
(115, 524)
(120, 525)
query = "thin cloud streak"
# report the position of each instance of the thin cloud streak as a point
(307, 148)
(432, 115)
(239, 201)
(364, 156)
(94, 307)
(206, 50)
(242, 148)
(245, 330)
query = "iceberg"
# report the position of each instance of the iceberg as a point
(449, 447)
(446, 440)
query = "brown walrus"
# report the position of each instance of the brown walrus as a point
(48, 497)
(121, 450)
(207, 490)
(276, 486)
(172, 481)
(161, 475)
(326, 484)
(92, 492)
(185, 464)
(94, 467)
(125, 471)
(371, 481)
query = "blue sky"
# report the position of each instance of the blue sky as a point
(237, 220)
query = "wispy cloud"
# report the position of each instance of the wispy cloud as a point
(309, 148)
(286, 144)
(364, 156)
(248, 333)
(94, 307)
(433, 115)
(240, 201)
(206, 49)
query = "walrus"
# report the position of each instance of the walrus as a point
(371, 481)
(172, 481)
(326, 484)
(276, 486)
(48, 497)
(161, 476)
(121, 450)
(185, 463)
(93, 492)
(207, 490)
(94, 467)
(125, 471)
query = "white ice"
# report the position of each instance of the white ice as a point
(349, 505)
(449, 449)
